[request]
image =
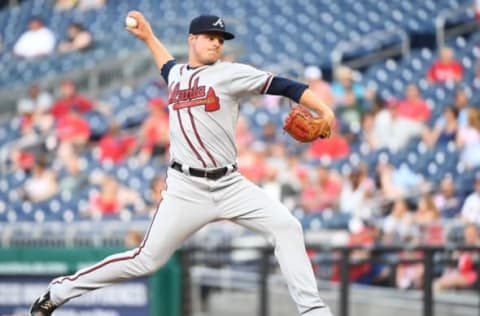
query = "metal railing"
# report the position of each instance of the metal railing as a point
(345, 262)
(441, 23)
(371, 39)
(93, 233)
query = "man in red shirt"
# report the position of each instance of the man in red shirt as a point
(413, 107)
(72, 128)
(323, 193)
(446, 68)
(114, 146)
(154, 133)
(71, 131)
(335, 147)
(70, 99)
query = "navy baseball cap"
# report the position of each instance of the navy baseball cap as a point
(209, 23)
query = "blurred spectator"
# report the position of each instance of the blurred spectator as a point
(271, 184)
(154, 197)
(476, 8)
(399, 182)
(471, 206)
(40, 99)
(85, 5)
(405, 120)
(269, 134)
(383, 129)
(33, 124)
(464, 273)
(322, 192)
(365, 180)
(426, 212)
(476, 79)
(154, 133)
(72, 129)
(132, 239)
(349, 113)
(444, 131)
(78, 39)
(468, 139)
(43, 182)
(115, 146)
(253, 163)
(343, 82)
(26, 109)
(410, 275)
(291, 182)
(397, 226)
(446, 199)
(366, 273)
(413, 107)
(356, 196)
(390, 129)
(65, 5)
(112, 198)
(277, 154)
(462, 103)
(37, 41)
(21, 160)
(446, 68)
(74, 178)
(313, 76)
(70, 98)
(243, 136)
(367, 132)
(335, 147)
(35, 111)
(398, 230)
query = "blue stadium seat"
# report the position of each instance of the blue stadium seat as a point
(98, 123)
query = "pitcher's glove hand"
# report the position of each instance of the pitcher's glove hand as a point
(305, 127)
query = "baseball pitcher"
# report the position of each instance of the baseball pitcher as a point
(203, 184)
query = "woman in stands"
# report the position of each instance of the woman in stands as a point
(78, 39)
(43, 183)
(468, 139)
(445, 129)
(464, 274)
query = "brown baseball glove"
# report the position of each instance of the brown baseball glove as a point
(305, 127)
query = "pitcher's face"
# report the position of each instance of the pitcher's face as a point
(205, 49)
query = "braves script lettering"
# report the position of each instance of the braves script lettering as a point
(194, 96)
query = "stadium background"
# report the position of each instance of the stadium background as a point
(82, 159)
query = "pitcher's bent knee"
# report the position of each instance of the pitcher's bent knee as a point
(149, 263)
(296, 227)
(287, 223)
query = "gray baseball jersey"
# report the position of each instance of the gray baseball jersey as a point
(204, 104)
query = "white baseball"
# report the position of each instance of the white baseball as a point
(131, 22)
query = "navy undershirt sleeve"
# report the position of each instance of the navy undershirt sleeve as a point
(287, 88)
(166, 69)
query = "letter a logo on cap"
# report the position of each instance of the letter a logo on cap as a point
(219, 22)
